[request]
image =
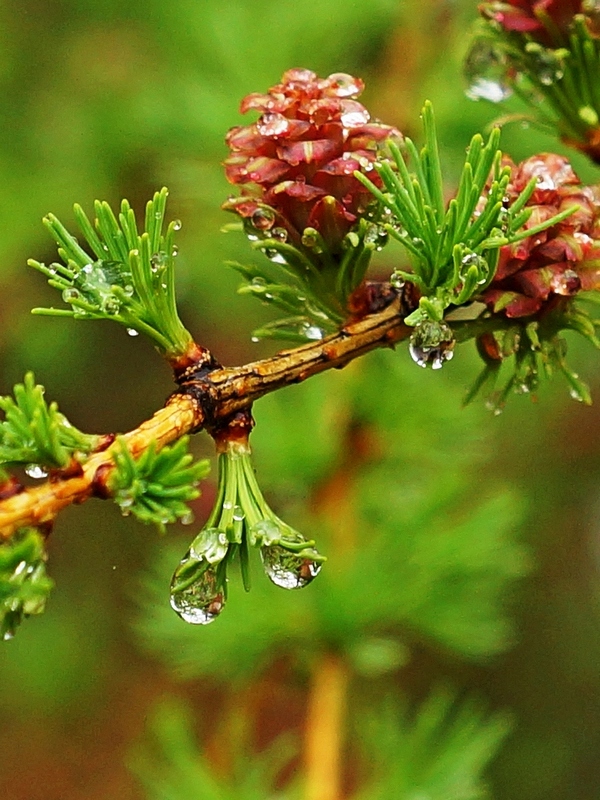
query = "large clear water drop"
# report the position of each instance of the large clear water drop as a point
(485, 70)
(287, 569)
(201, 601)
(431, 344)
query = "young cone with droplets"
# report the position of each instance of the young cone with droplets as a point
(297, 161)
(535, 274)
(301, 203)
(539, 281)
(543, 19)
(548, 53)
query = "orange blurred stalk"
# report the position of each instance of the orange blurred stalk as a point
(324, 734)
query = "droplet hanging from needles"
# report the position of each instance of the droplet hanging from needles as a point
(200, 602)
(287, 569)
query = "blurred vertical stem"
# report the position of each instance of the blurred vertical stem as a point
(324, 728)
(326, 716)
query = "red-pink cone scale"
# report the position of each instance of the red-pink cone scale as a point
(296, 163)
(558, 262)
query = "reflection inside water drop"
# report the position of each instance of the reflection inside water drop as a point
(286, 569)
(486, 70)
(431, 344)
(199, 603)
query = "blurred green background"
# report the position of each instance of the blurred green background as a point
(105, 99)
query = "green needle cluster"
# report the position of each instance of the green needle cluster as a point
(128, 277)
(454, 249)
(240, 520)
(157, 486)
(36, 433)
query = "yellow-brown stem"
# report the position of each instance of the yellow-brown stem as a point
(40, 504)
(220, 394)
(325, 728)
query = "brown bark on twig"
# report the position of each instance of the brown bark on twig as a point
(206, 399)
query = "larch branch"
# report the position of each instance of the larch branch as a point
(203, 403)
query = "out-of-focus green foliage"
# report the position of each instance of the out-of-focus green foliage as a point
(439, 753)
(170, 766)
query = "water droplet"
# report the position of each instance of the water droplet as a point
(35, 471)
(210, 545)
(88, 268)
(258, 282)
(344, 85)
(479, 262)
(158, 261)
(8, 635)
(547, 65)
(575, 394)
(397, 280)
(313, 333)
(176, 224)
(280, 234)
(187, 518)
(353, 114)
(20, 569)
(201, 602)
(271, 123)
(70, 294)
(577, 389)
(238, 513)
(133, 332)
(111, 305)
(275, 256)
(495, 406)
(376, 235)
(263, 219)
(157, 215)
(567, 283)
(287, 569)
(431, 343)
(174, 251)
(485, 70)
(264, 532)
(309, 238)
(254, 339)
